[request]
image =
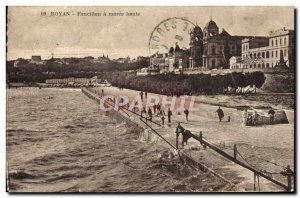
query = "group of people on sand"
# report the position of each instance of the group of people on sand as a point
(251, 119)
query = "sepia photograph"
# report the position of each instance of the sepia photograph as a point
(150, 99)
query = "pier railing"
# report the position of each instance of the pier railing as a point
(234, 159)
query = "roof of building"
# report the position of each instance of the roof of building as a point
(210, 24)
(280, 32)
(224, 33)
(197, 29)
(36, 57)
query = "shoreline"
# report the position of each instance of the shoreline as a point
(227, 104)
(44, 85)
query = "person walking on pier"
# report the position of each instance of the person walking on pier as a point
(186, 134)
(102, 93)
(220, 114)
(143, 112)
(158, 107)
(142, 95)
(162, 120)
(162, 112)
(186, 112)
(169, 115)
(154, 108)
(150, 114)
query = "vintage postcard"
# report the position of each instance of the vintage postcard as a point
(150, 99)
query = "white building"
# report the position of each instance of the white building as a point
(265, 52)
(235, 62)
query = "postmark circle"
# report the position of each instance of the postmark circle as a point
(168, 33)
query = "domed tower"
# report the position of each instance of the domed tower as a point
(210, 30)
(196, 46)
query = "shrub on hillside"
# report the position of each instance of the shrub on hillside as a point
(172, 84)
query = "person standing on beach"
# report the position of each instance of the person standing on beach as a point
(220, 114)
(255, 118)
(271, 115)
(186, 112)
(146, 94)
(169, 115)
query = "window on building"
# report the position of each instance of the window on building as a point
(279, 52)
(272, 55)
(258, 54)
(263, 65)
(263, 54)
(254, 55)
(272, 65)
(280, 42)
(272, 42)
(213, 63)
(268, 65)
(254, 66)
(250, 65)
(284, 42)
(267, 54)
(250, 55)
(276, 54)
(258, 65)
(275, 42)
(213, 50)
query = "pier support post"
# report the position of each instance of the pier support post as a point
(254, 187)
(234, 151)
(177, 134)
(200, 136)
(288, 173)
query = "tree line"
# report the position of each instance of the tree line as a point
(80, 68)
(172, 84)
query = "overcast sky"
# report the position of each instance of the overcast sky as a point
(29, 33)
